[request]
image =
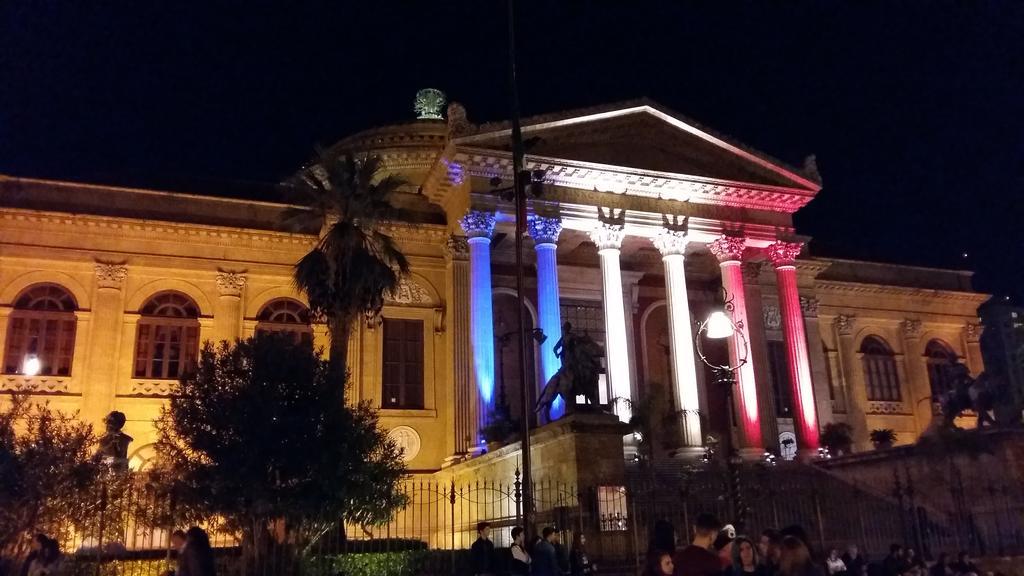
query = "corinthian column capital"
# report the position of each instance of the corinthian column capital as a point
(670, 242)
(456, 248)
(608, 236)
(783, 253)
(544, 230)
(230, 283)
(478, 224)
(110, 275)
(728, 248)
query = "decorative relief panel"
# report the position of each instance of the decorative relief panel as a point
(408, 441)
(409, 292)
(152, 387)
(879, 407)
(36, 384)
(772, 316)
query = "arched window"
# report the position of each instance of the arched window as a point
(41, 332)
(880, 370)
(285, 316)
(940, 359)
(167, 339)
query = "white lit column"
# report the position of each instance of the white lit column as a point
(478, 227)
(783, 255)
(608, 238)
(544, 232)
(729, 252)
(672, 245)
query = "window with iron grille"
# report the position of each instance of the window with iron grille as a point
(584, 316)
(402, 364)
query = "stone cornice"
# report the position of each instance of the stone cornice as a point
(158, 230)
(907, 292)
(487, 163)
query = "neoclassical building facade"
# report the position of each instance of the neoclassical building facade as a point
(642, 218)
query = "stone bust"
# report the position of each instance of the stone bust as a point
(113, 445)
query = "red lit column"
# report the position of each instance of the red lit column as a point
(729, 251)
(783, 255)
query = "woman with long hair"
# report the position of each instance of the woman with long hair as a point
(46, 556)
(744, 558)
(579, 562)
(197, 556)
(659, 563)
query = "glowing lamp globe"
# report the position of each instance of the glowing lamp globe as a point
(31, 366)
(719, 325)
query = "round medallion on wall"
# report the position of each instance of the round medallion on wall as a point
(408, 441)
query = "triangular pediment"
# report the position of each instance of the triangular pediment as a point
(642, 137)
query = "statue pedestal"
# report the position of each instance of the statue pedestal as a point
(582, 449)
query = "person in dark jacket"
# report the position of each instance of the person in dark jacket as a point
(744, 559)
(521, 560)
(856, 564)
(482, 552)
(197, 557)
(580, 564)
(697, 559)
(545, 560)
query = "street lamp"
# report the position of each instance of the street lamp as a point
(31, 366)
(719, 326)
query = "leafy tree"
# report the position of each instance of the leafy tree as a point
(837, 437)
(355, 263)
(47, 474)
(260, 436)
(656, 421)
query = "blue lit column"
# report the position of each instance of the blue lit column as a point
(545, 233)
(478, 227)
(608, 238)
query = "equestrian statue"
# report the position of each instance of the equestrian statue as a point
(579, 375)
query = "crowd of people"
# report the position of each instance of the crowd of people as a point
(544, 556)
(713, 549)
(716, 550)
(191, 553)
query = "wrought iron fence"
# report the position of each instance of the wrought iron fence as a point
(127, 531)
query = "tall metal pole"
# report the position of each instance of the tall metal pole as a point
(520, 200)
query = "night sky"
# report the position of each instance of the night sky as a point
(915, 110)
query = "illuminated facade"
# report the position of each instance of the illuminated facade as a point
(643, 218)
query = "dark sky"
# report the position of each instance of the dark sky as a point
(914, 109)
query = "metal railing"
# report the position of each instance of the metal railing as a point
(129, 526)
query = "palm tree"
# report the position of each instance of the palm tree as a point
(354, 264)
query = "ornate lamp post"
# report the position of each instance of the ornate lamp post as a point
(719, 325)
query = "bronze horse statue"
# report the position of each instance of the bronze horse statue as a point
(579, 375)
